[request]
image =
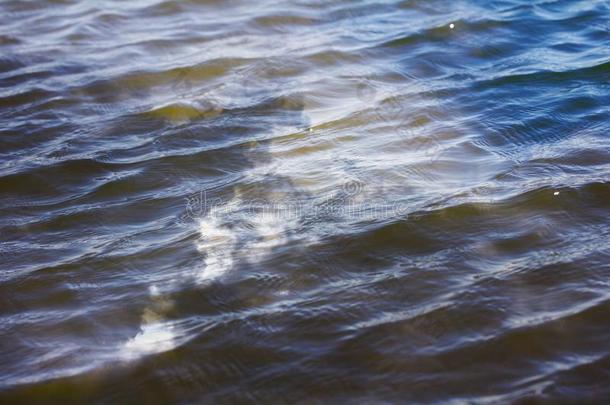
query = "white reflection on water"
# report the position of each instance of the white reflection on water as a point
(152, 338)
(218, 243)
(156, 335)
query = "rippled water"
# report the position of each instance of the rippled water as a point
(304, 201)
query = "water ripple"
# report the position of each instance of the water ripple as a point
(308, 201)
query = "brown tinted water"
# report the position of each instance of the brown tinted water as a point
(304, 201)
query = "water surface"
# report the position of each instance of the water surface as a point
(304, 201)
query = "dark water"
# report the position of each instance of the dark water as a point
(304, 201)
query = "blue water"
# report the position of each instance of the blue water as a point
(304, 201)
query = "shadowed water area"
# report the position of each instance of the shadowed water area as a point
(304, 201)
